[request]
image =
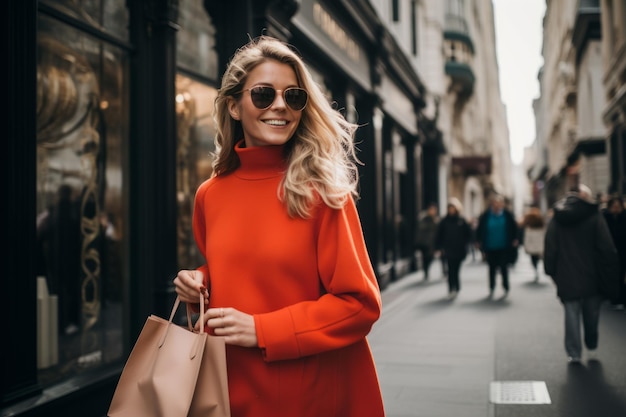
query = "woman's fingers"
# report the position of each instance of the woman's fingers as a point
(236, 327)
(188, 283)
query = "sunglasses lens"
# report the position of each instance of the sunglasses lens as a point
(262, 97)
(296, 98)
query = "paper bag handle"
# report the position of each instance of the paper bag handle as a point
(189, 325)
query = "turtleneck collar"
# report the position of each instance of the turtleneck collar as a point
(260, 162)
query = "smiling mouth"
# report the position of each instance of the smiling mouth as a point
(275, 122)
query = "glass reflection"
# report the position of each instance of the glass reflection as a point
(80, 128)
(195, 135)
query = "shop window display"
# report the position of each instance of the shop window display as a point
(81, 125)
(195, 145)
(195, 93)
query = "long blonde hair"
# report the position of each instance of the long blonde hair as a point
(321, 158)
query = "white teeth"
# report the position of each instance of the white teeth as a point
(276, 122)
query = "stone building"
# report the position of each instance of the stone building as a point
(613, 22)
(578, 116)
(452, 46)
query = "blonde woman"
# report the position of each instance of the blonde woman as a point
(287, 277)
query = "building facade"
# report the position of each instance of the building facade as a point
(579, 133)
(613, 16)
(451, 44)
(110, 135)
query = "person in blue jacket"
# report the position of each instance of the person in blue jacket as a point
(497, 238)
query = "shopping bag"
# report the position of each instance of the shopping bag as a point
(162, 372)
(210, 398)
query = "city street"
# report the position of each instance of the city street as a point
(438, 358)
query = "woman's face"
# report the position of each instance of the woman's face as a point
(276, 124)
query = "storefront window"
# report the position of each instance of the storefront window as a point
(110, 16)
(82, 123)
(195, 93)
(195, 135)
(195, 41)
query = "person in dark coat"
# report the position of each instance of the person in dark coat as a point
(497, 237)
(615, 217)
(427, 228)
(452, 239)
(581, 259)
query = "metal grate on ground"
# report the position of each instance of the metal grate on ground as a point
(519, 392)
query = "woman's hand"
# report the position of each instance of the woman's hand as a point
(189, 284)
(236, 327)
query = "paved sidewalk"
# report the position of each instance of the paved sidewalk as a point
(437, 357)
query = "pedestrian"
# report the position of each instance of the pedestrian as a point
(615, 217)
(473, 222)
(452, 239)
(287, 278)
(497, 238)
(533, 234)
(426, 231)
(580, 257)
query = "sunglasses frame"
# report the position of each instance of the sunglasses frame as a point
(274, 98)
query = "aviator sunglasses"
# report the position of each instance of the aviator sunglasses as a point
(263, 97)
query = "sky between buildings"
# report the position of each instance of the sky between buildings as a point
(519, 37)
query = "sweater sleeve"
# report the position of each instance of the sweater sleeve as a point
(199, 228)
(350, 302)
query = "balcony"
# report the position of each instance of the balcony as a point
(459, 52)
(587, 25)
(462, 77)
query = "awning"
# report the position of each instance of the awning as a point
(471, 165)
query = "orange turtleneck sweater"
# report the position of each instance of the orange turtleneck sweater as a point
(309, 285)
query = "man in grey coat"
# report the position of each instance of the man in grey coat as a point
(580, 257)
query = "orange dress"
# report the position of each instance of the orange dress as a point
(309, 285)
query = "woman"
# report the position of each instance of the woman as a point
(453, 237)
(533, 232)
(287, 277)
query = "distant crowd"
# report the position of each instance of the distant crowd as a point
(580, 241)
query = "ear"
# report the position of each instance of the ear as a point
(233, 108)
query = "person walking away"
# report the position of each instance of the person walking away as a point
(615, 217)
(533, 232)
(497, 238)
(581, 259)
(287, 279)
(452, 239)
(425, 241)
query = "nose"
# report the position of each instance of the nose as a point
(279, 100)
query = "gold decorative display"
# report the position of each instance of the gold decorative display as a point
(69, 144)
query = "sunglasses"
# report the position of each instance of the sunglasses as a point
(263, 97)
